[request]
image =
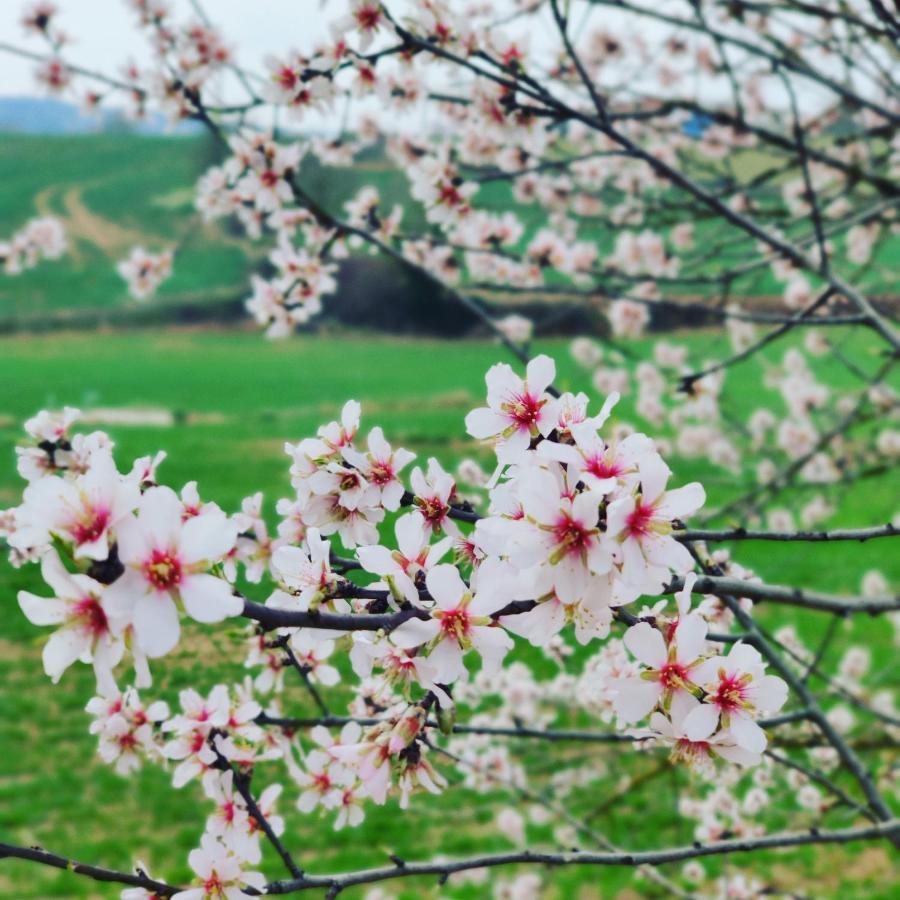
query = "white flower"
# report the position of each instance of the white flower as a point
(81, 512)
(670, 661)
(167, 559)
(413, 557)
(221, 874)
(433, 493)
(559, 540)
(459, 621)
(380, 468)
(671, 729)
(643, 525)
(88, 630)
(737, 690)
(518, 410)
(307, 575)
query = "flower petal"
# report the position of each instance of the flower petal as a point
(156, 624)
(209, 599)
(646, 643)
(702, 722)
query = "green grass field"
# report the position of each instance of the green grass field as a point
(236, 399)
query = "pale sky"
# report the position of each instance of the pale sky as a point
(105, 35)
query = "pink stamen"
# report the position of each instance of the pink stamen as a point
(640, 519)
(90, 614)
(163, 570)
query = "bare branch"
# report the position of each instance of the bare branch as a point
(888, 828)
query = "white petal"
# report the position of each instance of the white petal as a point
(681, 502)
(160, 515)
(411, 535)
(635, 698)
(447, 661)
(207, 538)
(690, 637)
(540, 373)
(748, 734)
(63, 648)
(156, 624)
(512, 449)
(377, 560)
(209, 599)
(770, 693)
(654, 475)
(484, 423)
(42, 610)
(647, 644)
(58, 577)
(446, 585)
(493, 644)
(415, 632)
(702, 722)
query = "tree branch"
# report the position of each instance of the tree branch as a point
(579, 858)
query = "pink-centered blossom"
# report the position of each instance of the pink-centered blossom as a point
(167, 561)
(460, 621)
(220, 874)
(671, 659)
(380, 468)
(88, 630)
(82, 512)
(518, 411)
(737, 691)
(642, 526)
(412, 559)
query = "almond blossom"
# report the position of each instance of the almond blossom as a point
(82, 512)
(518, 411)
(737, 691)
(380, 468)
(460, 620)
(307, 575)
(88, 630)
(411, 561)
(433, 494)
(559, 538)
(166, 560)
(126, 728)
(642, 526)
(672, 730)
(220, 873)
(671, 660)
(144, 272)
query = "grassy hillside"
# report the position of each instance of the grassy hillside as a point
(114, 191)
(111, 192)
(234, 400)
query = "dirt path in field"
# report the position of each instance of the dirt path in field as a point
(83, 224)
(110, 237)
(43, 202)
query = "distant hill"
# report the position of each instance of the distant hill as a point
(47, 115)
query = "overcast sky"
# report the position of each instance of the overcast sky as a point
(105, 35)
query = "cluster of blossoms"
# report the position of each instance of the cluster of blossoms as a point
(144, 272)
(43, 238)
(578, 527)
(140, 551)
(213, 739)
(705, 704)
(256, 185)
(786, 428)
